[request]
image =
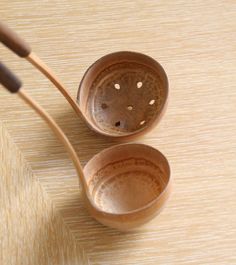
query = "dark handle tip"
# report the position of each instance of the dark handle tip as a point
(11, 40)
(9, 80)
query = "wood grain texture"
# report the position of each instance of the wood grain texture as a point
(43, 218)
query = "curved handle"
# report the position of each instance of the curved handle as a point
(9, 80)
(11, 40)
(13, 84)
(57, 131)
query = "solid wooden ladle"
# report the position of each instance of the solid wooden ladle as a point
(122, 95)
(125, 186)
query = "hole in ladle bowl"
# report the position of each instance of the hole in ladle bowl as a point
(117, 86)
(129, 107)
(139, 84)
(117, 124)
(142, 122)
(152, 101)
(104, 106)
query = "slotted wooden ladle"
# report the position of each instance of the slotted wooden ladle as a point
(122, 95)
(125, 186)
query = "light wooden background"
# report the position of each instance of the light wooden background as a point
(42, 216)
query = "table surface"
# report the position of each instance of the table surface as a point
(42, 215)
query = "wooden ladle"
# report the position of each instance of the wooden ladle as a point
(125, 186)
(122, 95)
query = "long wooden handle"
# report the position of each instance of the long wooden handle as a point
(10, 39)
(13, 84)
(59, 134)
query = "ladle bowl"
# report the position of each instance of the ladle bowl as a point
(129, 183)
(124, 94)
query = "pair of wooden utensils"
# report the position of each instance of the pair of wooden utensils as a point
(122, 95)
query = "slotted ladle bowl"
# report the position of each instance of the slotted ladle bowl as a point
(124, 93)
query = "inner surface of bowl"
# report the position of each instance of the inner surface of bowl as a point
(126, 185)
(123, 92)
(126, 177)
